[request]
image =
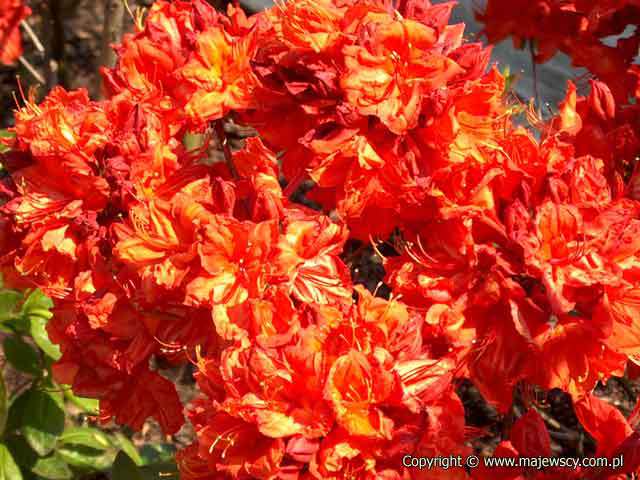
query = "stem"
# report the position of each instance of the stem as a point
(32, 35)
(224, 142)
(534, 66)
(31, 69)
(218, 125)
(295, 183)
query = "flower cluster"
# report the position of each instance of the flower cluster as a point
(12, 12)
(511, 260)
(577, 28)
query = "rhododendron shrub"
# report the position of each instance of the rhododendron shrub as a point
(512, 259)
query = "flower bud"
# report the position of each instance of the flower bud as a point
(601, 100)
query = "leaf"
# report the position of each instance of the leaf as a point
(36, 308)
(8, 468)
(43, 421)
(128, 447)
(5, 134)
(22, 355)
(4, 404)
(40, 336)
(16, 412)
(193, 141)
(157, 453)
(9, 300)
(87, 458)
(37, 303)
(22, 452)
(52, 468)
(125, 469)
(88, 405)
(86, 436)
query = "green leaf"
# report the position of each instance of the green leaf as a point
(153, 453)
(9, 300)
(36, 308)
(193, 141)
(22, 355)
(22, 452)
(86, 436)
(125, 469)
(88, 405)
(87, 458)
(40, 336)
(4, 404)
(5, 134)
(52, 468)
(37, 303)
(128, 447)
(8, 468)
(17, 406)
(43, 421)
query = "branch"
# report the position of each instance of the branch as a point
(218, 126)
(32, 35)
(112, 29)
(31, 69)
(55, 51)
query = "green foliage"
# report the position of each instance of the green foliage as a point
(3, 149)
(9, 300)
(8, 468)
(125, 469)
(86, 436)
(52, 467)
(36, 309)
(21, 355)
(4, 405)
(43, 421)
(87, 405)
(127, 447)
(38, 438)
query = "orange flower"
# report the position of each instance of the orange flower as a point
(147, 394)
(561, 365)
(219, 75)
(157, 247)
(236, 449)
(305, 24)
(355, 387)
(342, 457)
(65, 122)
(397, 65)
(12, 12)
(235, 259)
(50, 259)
(308, 258)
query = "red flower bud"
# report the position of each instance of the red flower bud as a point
(601, 100)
